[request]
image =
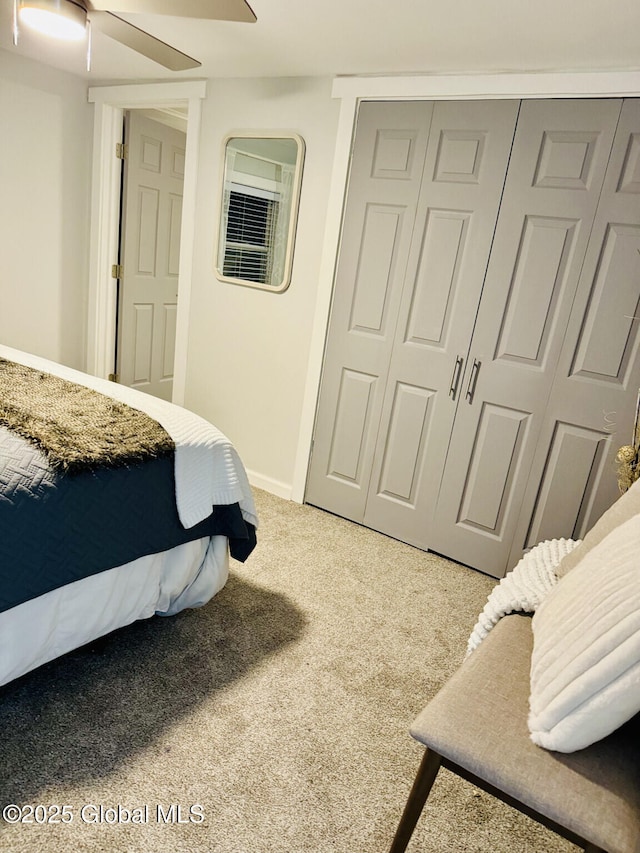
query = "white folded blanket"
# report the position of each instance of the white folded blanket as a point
(208, 470)
(522, 589)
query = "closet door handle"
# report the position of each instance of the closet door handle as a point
(455, 379)
(473, 379)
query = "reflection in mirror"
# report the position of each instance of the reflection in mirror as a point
(260, 190)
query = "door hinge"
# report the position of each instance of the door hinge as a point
(122, 151)
(117, 270)
(114, 377)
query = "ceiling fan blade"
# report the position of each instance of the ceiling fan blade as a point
(142, 42)
(207, 10)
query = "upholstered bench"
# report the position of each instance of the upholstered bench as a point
(477, 727)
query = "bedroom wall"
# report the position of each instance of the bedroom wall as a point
(45, 169)
(248, 349)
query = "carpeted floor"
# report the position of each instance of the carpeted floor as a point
(278, 713)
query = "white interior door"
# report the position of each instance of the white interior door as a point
(560, 154)
(152, 217)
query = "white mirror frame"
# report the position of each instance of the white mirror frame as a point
(285, 278)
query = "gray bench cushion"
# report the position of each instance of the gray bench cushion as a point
(479, 721)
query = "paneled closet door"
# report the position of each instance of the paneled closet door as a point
(406, 296)
(465, 168)
(555, 177)
(382, 197)
(591, 410)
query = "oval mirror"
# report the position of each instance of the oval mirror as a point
(261, 179)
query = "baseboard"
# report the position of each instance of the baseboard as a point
(268, 484)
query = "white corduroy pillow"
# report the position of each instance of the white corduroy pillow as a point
(585, 666)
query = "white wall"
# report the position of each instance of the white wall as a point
(45, 169)
(249, 349)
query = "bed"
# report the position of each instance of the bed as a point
(129, 506)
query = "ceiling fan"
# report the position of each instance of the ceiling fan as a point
(70, 19)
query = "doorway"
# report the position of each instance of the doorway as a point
(110, 104)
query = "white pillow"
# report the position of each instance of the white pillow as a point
(585, 666)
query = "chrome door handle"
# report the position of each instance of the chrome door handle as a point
(455, 379)
(473, 379)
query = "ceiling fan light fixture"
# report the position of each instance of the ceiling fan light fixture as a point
(61, 19)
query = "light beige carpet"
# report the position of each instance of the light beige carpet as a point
(279, 711)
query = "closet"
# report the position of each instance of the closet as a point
(481, 366)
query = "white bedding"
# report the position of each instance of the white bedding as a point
(523, 588)
(53, 624)
(585, 664)
(208, 470)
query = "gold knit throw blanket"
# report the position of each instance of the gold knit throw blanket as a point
(77, 428)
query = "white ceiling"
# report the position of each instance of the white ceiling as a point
(336, 37)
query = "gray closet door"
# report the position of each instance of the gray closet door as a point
(592, 407)
(555, 177)
(464, 174)
(382, 198)
(413, 257)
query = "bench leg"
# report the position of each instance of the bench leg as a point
(425, 777)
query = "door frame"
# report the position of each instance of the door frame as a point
(352, 91)
(110, 103)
